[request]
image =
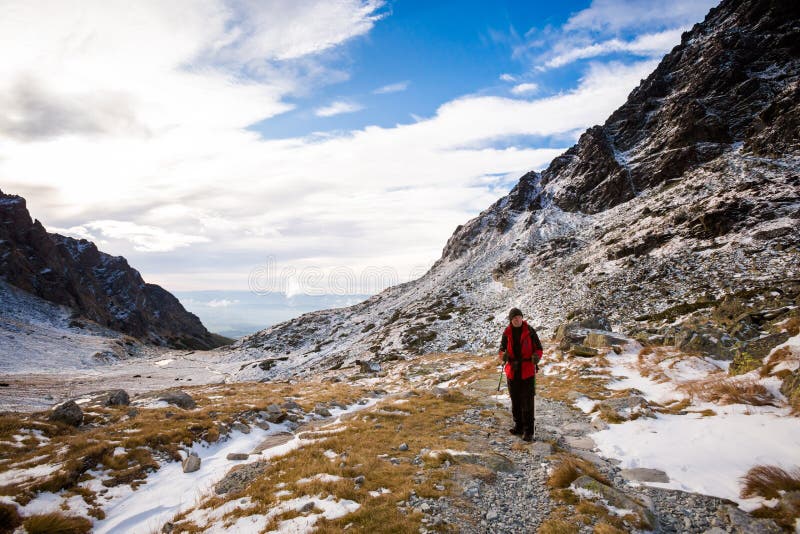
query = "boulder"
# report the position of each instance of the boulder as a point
(616, 498)
(368, 367)
(241, 427)
(191, 463)
(181, 399)
(240, 477)
(642, 474)
(600, 339)
(583, 351)
(321, 410)
(68, 413)
(237, 456)
(118, 397)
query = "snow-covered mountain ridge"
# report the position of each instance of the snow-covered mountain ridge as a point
(683, 207)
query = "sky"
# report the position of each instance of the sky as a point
(302, 146)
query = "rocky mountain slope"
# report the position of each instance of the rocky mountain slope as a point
(676, 220)
(97, 286)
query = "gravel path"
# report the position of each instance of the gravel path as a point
(519, 501)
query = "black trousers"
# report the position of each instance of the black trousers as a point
(521, 392)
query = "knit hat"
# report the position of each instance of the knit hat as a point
(513, 313)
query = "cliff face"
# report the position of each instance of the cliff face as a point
(686, 197)
(96, 285)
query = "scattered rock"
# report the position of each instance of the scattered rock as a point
(118, 397)
(238, 456)
(321, 410)
(599, 339)
(68, 413)
(580, 442)
(191, 463)
(583, 351)
(240, 477)
(403, 447)
(241, 427)
(368, 367)
(642, 474)
(617, 498)
(181, 399)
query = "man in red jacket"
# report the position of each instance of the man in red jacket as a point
(521, 351)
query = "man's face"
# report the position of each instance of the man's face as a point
(517, 321)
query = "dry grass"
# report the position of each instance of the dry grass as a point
(730, 391)
(570, 468)
(781, 355)
(425, 426)
(768, 481)
(785, 514)
(9, 517)
(147, 438)
(56, 523)
(605, 528)
(558, 526)
(790, 325)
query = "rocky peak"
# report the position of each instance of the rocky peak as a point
(98, 286)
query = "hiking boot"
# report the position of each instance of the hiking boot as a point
(528, 436)
(517, 431)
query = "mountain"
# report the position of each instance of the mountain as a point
(96, 285)
(669, 221)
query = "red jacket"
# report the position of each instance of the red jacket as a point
(529, 345)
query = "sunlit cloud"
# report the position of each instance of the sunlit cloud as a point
(525, 88)
(337, 108)
(392, 88)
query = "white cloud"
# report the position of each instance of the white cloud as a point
(392, 88)
(643, 28)
(144, 238)
(150, 150)
(337, 108)
(616, 15)
(221, 303)
(525, 88)
(648, 45)
(508, 78)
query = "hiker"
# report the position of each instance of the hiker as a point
(521, 351)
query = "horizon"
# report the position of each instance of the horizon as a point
(351, 136)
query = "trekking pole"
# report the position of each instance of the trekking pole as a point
(534, 405)
(502, 370)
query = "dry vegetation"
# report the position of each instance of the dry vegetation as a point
(773, 482)
(730, 391)
(147, 437)
(422, 423)
(769, 481)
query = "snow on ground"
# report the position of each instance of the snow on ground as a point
(170, 491)
(706, 454)
(703, 454)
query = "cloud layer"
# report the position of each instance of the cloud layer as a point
(134, 117)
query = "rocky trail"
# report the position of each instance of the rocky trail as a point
(518, 499)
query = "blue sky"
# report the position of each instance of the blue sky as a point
(218, 142)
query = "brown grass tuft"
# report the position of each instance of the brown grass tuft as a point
(56, 523)
(729, 391)
(570, 468)
(558, 526)
(605, 528)
(9, 517)
(768, 481)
